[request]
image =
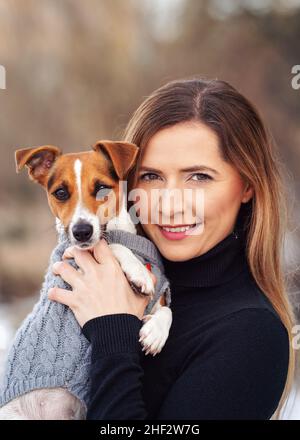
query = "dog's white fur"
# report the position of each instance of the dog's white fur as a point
(81, 212)
(58, 403)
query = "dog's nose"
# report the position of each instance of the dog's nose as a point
(82, 231)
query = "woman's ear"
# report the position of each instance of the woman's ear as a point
(248, 193)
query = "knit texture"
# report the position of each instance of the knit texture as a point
(49, 348)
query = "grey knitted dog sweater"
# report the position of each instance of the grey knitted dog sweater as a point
(49, 348)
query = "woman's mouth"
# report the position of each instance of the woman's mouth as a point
(177, 232)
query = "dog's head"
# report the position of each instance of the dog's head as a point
(84, 188)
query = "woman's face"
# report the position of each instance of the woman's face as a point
(185, 159)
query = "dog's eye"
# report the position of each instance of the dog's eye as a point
(61, 194)
(101, 190)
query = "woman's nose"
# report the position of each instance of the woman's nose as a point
(171, 203)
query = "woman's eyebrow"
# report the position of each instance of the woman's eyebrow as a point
(182, 170)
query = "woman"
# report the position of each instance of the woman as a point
(229, 353)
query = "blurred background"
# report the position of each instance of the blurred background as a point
(75, 73)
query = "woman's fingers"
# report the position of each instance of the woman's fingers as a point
(62, 296)
(83, 258)
(66, 271)
(102, 251)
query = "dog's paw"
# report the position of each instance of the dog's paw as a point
(155, 330)
(135, 271)
(140, 277)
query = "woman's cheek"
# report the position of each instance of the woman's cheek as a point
(220, 211)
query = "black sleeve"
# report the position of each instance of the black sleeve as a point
(116, 388)
(241, 374)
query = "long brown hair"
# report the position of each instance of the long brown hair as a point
(246, 144)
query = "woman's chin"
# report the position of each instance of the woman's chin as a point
(177, 253)
(171, 247)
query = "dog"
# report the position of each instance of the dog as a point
(73, 182)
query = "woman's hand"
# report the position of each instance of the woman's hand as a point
(99, 285)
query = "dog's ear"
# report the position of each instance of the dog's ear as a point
(38, 160)
(122, 155)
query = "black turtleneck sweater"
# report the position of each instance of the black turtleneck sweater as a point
(226, 356)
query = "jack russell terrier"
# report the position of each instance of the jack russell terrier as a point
(73, 182)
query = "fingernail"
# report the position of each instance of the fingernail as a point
(56, 265)
(68, 249)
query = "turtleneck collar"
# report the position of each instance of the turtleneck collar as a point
(216, 266)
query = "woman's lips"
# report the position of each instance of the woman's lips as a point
(179, 232)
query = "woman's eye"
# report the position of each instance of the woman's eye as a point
(148, 176)
(61, 194)
(201, 176)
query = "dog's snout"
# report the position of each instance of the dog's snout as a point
(82, 231)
